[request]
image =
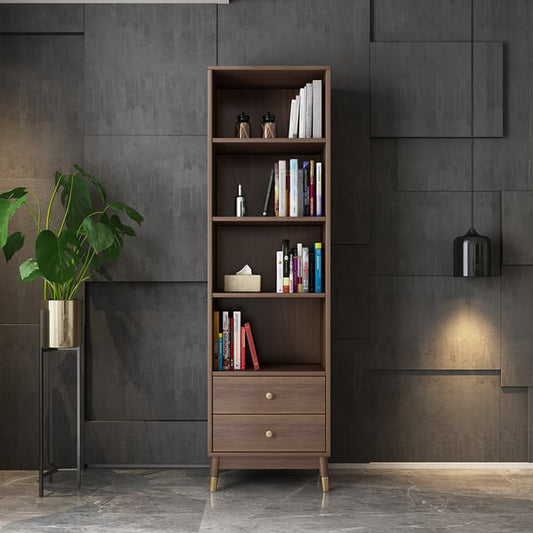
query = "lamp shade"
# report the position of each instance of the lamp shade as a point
(471, 255)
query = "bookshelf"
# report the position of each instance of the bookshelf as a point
(279, 416)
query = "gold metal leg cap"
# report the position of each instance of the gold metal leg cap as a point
(213, 484)
(325, 483)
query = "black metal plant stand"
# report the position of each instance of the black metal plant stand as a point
(47, 468)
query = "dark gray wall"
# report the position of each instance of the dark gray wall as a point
(425, 366)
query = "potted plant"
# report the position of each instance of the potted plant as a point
(70, 247)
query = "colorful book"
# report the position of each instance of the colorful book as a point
(305, 269)
(293, 194)
(225, 341)
(318, 267)
(312, 211)
(279, 271)
(282, 187)
(299, 266)
(231, 359)
(220, 351)
(216, 331)
(305, 169)
(317, 108)
(311, 269)
(251, 345)
(300, 192)
(286, 265)
(276, 190)
(243, 348)
(319, 179)
(294, 272)
(236, 340)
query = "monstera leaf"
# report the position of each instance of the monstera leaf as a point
(57, 256)
(8, 208)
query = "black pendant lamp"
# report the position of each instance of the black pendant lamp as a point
(471, 252)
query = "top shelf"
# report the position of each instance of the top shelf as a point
(265, 77)
(223, 145)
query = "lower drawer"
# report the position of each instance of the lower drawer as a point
(269, 433)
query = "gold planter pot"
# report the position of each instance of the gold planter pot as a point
(62, 323)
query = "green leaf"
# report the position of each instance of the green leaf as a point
(13, 244)
(132, 213)
(94, 181)
(80, 203)
(7, 209)
(118, 227)
(57, 256)
(99, 235)
(17, 192)
(29, 270)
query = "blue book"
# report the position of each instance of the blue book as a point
(220, 351)
(318, 266)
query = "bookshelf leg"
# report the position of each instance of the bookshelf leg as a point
(214, 474)
(324, 474)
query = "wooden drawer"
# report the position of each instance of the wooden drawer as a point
(269, 395)
(250, 433)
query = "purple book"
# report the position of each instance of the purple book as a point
(294, 270)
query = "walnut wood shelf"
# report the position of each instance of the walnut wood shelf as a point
(268, 146)
(278, 416)
(266, 221)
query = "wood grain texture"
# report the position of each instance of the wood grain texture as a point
(287, 395)
(19, 390)
(41, 108)
(517, 342)
(145, 351)
(146, 68)
(420, 90)
(488, 90)
(445, 417)
(502, 164)
(41, 18)
(164, 178)
(517, 227)
(515, 426)
(434, 165)
(421, 20)
(431, 323)
(248, 433)
(140, 442)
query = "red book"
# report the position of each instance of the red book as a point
(251, 344)
(243, 348)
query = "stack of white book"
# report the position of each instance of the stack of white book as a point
(305, 120)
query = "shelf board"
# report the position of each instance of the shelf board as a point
(223, 145)
(281, 295)
(275, 370)
(267, 221)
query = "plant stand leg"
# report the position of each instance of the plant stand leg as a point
(324, 473)
(214, 474)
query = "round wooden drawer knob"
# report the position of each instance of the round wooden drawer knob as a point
(269, 433)
(269, 396)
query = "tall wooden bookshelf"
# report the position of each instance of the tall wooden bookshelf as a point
(279, 416)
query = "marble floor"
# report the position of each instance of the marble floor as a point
(153, 500)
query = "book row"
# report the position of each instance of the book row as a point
(305, 118)
(298, 189)
(299, 269)
(231, 337)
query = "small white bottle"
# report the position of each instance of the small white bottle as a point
(239, 203)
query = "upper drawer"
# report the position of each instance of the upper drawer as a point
(269, 395)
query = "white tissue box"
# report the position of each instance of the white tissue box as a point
(242, 283)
